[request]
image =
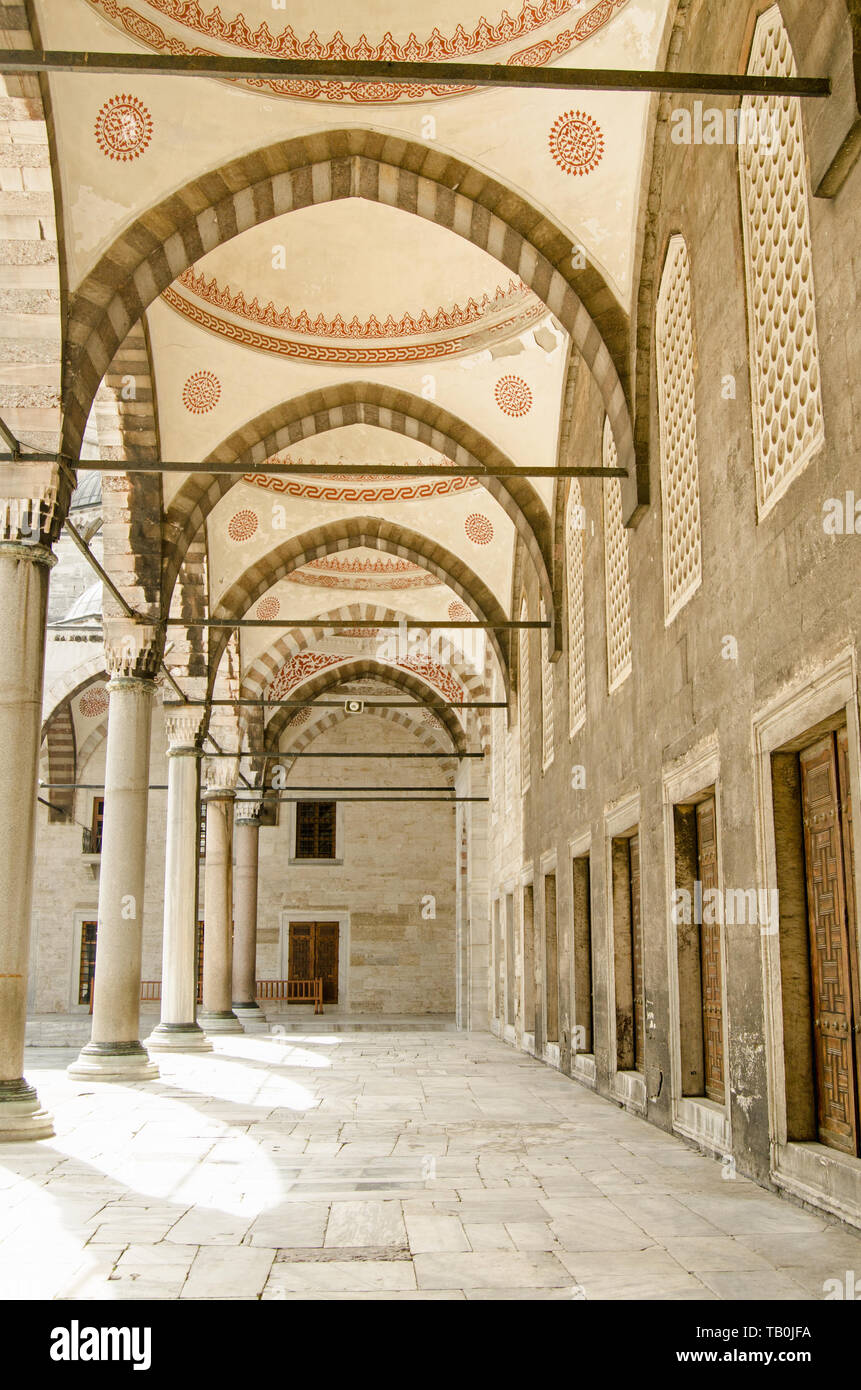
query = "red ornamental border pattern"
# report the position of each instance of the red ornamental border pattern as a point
(306, 664)
(383, 565)
(325, 492)
(112, 129)
(334, 581)
(442, 321)
(436, 48)
(323, 352)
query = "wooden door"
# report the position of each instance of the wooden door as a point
(637, 955)
(313, 955)
(710, 957)
(834, 1039)
(87, 966)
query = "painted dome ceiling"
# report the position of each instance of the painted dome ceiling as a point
(460, 30)
(354, 283)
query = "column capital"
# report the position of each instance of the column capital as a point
(220, 776)
(183, 727)
(132, 650)
(249, 808)
(27, 550)
(34, 505)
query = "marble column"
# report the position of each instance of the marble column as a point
(24, 571)
(115, 1052)
(247, 833)
(217, 1014)
(179, 1030)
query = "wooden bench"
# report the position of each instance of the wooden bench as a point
(292, 992)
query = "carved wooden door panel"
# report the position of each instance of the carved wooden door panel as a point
(833, 1022)
(301, 951)
(848, 832)
(710, 956)
(326, 959)
(637, 956)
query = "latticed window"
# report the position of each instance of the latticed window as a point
(525, 704)
(575, 543)
(788, 426)
(87, 963)
(616, 575)
(683, 563)
(315, 830)
(546, 694)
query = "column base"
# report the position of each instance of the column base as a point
(252, 1012)
(220, 1021)
(21, 1113)
(178, 1037)
(113, 1061)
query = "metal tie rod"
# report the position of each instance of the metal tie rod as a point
(307, 753)
(348, 622)
(334, 793)
(319, 470)
(417, 705)
(447, 74)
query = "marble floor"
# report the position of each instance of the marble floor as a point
(387, 1166)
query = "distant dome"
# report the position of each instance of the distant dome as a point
(88, 493)
(86, 607)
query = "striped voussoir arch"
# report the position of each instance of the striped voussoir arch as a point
(408, 682)
(62, 764)
(71, 684)
(268, 663)
(357, 403)
(429, 739)
(417, 177)
(346, 534)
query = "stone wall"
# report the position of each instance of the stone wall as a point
(782, 587)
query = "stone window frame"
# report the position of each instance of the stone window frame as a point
(690, 779)
(817, 1174)
(292, 861)
(676, 400)
(583, 1063)
(617, 572)
(575, 575)
(524, 702)
(768, 497)
(525, 879)
(548, 741)
(621, 819)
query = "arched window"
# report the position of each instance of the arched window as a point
(575, 545)
(616, 575)
(788, 426)
(680, 487)
(525, 704)
(546, 694)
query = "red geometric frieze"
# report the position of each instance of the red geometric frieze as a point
(372, 491)
(576, 142)
(123, 128)
(298, 669)
(435, 47)
(201, 392)
(513, 396)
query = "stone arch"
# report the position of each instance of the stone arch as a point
(347, 534)
(62, 763)
(353, 403)
(321, 168)
(266, 665)
(429, 739)
(71, 683)
(406, 681)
